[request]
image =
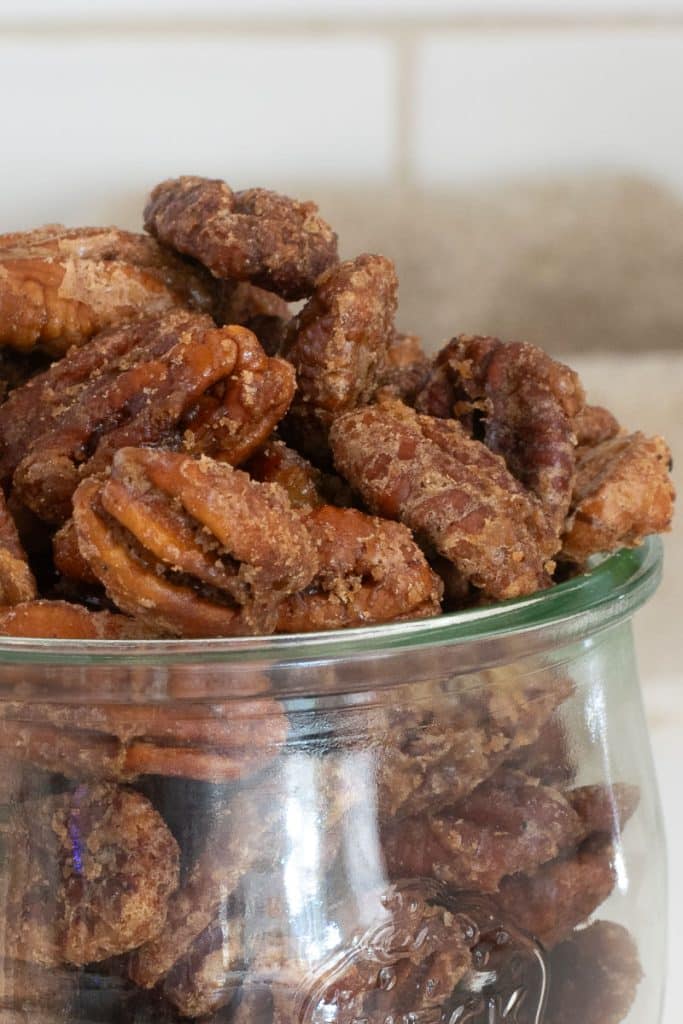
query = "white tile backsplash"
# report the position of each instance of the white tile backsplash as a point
(506, 104)
(96, 116)
(32, 11)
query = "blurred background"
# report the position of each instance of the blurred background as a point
(521, 160)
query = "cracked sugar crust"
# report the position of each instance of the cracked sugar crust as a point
(270, 240)
(623, 492)
(455, 494)
(88, 875)
(190, 546)
(369, 571)
(339, 342)
(528, 404)
(60, 286)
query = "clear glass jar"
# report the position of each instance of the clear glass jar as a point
(453, 820)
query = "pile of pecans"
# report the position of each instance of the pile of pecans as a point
(184, 456)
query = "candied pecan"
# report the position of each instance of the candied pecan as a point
(67, 556)
(562, 893)
(60, 620)
(529, 402)
(241, 302)
(623, 492)
(16, 579)
(234, 417)
(594, 976)
(339, 340)
(549, 758)
(276, 463)
(191, 546)
(595, 424)
(211, 742)
(507, 825)
(259, 236)
(430, 756)
(369, 570)
(452, 491)
(403, 967)
(141, 403)
(59, 286)
(88, 875)
(406, 369)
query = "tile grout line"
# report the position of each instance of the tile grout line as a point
(391, 27)
(405, 110)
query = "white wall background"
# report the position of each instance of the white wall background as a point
(102, 97)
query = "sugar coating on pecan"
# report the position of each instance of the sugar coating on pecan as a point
(623, 492)
(406, 369)
(429, 757)
(508, 824)
(452, 491)
(594, 976)
(88, 873)
(145, 402)
(369, 571)
(595, 424)
(564, 892)
(61, 620)
(339, 341)
(191, 546)
(59, 286)
(237, 415)
(277, 463)
(275, 242)
(67, 557)
(16, 579)
(529, 404)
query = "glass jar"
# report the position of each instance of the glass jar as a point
(453, 820)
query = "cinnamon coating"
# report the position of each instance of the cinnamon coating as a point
(429, 755)
(234, 417)
(529, 403)
(508, 824)
(369, 571)
(190, 546)
(16, 579)
(406, 369)
(452, 491)
(623, 492)
(88, 875)
(145, 402)
(595, 424)
(339, 341)
(275, 242)
(594, 976)
(60, 286)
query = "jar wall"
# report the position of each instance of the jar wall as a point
(408, 839)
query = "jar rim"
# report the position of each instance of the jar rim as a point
(613, 589)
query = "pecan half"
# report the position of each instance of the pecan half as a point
(529, 403)
(623, 493)
(88, 875)
(272, 241)
(452, 491)
(191, 546)
(370, 571)
(59, 286)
